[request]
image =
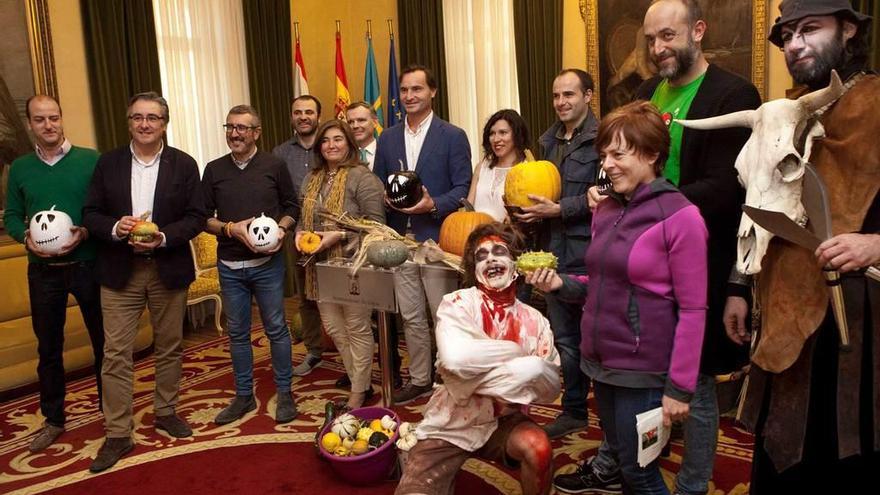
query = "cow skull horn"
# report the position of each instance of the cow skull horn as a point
(743, 118)
(818, 99)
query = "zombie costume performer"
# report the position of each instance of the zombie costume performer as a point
(815, 408)
(493, 352)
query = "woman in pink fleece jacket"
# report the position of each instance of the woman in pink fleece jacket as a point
(644, 292)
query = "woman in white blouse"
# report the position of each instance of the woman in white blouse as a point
(505, 143)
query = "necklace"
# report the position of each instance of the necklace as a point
(331, 176)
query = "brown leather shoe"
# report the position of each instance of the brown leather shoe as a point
(45, 437)
(173, 425)
(112, 450)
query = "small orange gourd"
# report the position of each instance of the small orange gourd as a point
(309, 242)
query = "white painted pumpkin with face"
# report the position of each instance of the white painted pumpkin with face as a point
(50, 230)
(263, 232)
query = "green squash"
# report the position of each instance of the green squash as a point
(387, 254)
(377, 439)
(532, 260)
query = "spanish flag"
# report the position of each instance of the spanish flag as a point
(343, 98)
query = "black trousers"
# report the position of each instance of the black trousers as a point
(49, 286)
(820, 470)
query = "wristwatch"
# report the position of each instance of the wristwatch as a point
(435, 213)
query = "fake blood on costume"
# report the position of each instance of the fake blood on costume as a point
(491, 348)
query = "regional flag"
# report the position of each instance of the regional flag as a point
(372, 93)
(343, 98)
(396, 113)
(300, 84)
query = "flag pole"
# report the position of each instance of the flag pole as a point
(338, 28)
(296, 31)
(390, 28)
(369, 29)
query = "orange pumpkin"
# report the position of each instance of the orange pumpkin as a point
(458, 226)
(308, 242)
(540, 178)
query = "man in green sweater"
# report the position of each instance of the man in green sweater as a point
(55, 174)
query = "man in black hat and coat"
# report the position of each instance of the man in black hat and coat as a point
(814, 407)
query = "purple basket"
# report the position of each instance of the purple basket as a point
(372, 467)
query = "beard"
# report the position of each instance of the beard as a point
(684, 60)
(825, 58)
(307, 131)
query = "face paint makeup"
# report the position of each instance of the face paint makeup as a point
(494, 264)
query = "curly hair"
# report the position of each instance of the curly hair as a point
(514, 239)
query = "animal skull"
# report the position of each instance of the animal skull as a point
(263, 232)
(771, 163)
(50, 230)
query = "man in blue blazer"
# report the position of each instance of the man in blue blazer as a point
(440, 154)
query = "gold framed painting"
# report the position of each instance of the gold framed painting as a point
(617, 53)
(27, 67)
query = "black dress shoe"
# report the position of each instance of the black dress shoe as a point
(241, 405)
(110, 453)
(344, 382)
(173, 425)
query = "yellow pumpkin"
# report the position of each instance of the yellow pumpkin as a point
(309, 242)
(458, 226)
(540, 178)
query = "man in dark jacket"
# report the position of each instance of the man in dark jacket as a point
(569, 145)
(701, 164)
(146, 180)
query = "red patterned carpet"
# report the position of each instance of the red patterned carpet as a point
(256, 455)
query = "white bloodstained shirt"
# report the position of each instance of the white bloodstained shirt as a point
(491, 357)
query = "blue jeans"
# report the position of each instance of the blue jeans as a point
(49, 286)
(700, 440)
(618, 407)
(266, 284)
(565, 320)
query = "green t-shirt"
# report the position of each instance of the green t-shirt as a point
(674, 103)
(35, 186)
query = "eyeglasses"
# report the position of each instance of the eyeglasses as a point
(151, 118)
(241, 128)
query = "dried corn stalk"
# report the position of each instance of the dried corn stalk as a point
(374, 231)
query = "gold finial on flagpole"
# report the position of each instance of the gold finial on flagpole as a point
(390, 28)
(296, 31)
(369, 29)
(338, 26)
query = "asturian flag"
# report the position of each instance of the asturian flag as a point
(372, 93)
(343, 97)
(396, 113)
(300, 83)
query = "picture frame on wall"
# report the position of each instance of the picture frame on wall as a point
(617, 55)
(27, 67)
